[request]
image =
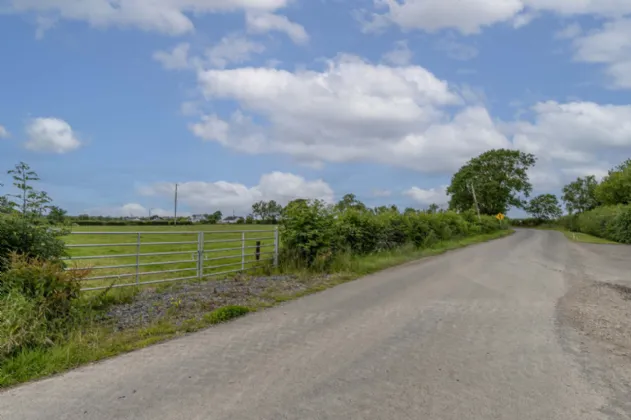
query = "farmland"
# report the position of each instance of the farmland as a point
(226, 248)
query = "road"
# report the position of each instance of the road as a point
(487, 332)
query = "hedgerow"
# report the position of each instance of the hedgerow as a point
(609, 222)
(316, 233)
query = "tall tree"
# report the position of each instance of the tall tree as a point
(56, 215)
(544, 206)
(433, 208)
(615, 188)
(30, 201)
(580, 195)
(350, 201)
(498, 177)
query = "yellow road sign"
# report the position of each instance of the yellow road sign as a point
(499, 216)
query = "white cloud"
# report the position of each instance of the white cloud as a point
(4, 133)
(573, 139)
(51, 135)
(466, 16)
(400, 55)
(428, 196)
(166, 16)
(176, 59)
(232, 49)
(267, 22)
(471, 16)
(129, 210)
(611, 46)
(392, 115)
(204, 197)
(570, 31)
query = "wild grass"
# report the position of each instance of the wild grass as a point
(577, 236)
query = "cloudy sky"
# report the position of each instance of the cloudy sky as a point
(113, 101)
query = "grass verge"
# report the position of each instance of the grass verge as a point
(580, 237)
(96, 341)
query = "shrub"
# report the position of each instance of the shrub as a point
(44, 283)
(609, 222)
(32, 241)
(316, 234)
(307, 230)
(226, 314)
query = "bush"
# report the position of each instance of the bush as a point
(32, 241)
(316, 234)
(608, 222)
(45, 283)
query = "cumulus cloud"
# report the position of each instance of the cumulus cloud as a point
(232, 49)
(611, 47)
(204, 197)
(129, 210)
(165, 16)
(4, 133)
(400, 55)
(573, 139)
(428, 196)
(267, 22)
(176, 59)
(392, 115)
(469, 17)
(51, 135)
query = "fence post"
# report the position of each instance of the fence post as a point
(276, 247)
(258, 250)
(242, 251)
(200, 255)
(138, 258)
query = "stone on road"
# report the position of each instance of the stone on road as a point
(475, 334)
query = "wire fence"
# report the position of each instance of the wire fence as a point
(150, 257)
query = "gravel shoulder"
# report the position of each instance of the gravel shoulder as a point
(594, 319)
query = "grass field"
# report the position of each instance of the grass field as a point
(118, 246)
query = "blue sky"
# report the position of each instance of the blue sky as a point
(112, 102)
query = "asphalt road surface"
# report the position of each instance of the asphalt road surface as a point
(486, 332)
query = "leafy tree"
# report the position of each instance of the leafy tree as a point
(30, 201)
(350, 201)
(57, 215)
(433, 208)
(544, 206)
(409, 210)
(498, 177)
(615, 188)
(580, 195)
(267, 211)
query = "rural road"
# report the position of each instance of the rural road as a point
(494, 331)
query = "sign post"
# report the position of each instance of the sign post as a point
(500, 217)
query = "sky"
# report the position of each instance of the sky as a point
(112, 102)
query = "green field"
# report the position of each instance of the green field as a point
(222, 249)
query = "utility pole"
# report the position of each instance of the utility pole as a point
(476, 202)
(175, 208)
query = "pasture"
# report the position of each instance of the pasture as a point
(128, 255)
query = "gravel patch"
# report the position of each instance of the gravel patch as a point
(192, 300)
(602, 311)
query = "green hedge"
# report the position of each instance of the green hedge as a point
(315, 233)
(609, 222)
